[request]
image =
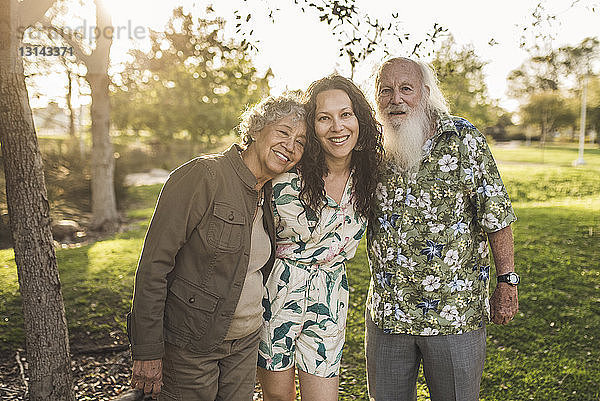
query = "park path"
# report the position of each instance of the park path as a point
(154, 176)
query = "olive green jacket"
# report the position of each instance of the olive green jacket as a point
(195, 256)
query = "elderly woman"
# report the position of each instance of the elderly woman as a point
(321, 213)
(196, 314)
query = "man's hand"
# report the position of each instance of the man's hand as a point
(147, 376)
(504, 303)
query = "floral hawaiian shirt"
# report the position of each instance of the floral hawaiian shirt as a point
(427, 247)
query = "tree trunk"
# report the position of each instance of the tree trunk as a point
(70, 104)
(46, 333)
(104, 204)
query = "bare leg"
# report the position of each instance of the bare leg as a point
(277, 386)
(315, 388)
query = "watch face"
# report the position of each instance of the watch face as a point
(513, 278)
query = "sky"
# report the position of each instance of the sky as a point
(299, 49)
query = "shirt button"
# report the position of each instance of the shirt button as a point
(192, 300)
(230, 216)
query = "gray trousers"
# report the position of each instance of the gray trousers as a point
(225, 374)
(452, 364)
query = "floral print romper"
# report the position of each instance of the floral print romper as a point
(306, 298)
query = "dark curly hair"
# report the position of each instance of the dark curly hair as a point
(366, 156)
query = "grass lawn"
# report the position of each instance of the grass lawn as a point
(549, 352)
(97, 283)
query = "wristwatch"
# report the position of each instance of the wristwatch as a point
(511, 278)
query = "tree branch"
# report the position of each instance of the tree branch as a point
(32, 11)
(69, 38)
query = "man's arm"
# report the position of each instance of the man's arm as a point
(504, 302)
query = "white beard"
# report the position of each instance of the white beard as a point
(404, 137)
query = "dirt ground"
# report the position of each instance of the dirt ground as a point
(98, 377)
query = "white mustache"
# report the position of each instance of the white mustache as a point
(398, 108)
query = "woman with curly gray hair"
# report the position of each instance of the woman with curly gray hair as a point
(196, 314)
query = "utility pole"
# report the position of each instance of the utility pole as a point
(580, 160)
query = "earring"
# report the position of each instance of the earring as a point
(358, 147)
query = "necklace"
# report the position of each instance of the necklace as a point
(261, 198)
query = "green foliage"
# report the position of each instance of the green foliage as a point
(540, 184)
(552, 155)
(550, 352)
(593, 104)
(550, 83)
(548, 111)
(462, 81)
(554, 70)
(67, 177)
(191, 83)
(96, 282)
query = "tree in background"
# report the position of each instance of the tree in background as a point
(549, 85)
(39, 70)
(96, 60)
(549, 112)
(462, 80)
(46, 334)
(593, 103)
(191, 82)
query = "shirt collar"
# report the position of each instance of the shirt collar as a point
(444, 124)
(233, 154)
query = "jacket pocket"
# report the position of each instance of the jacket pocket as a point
(226, 227)
(188, 308)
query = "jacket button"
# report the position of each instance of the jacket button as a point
(231, 216)
(192, 300)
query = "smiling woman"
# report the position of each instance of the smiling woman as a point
(209, 248)
(306, 299)
(278, 147)
(336, 127)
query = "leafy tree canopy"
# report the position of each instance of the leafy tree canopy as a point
(191, 82)
(461, 76)
(556, 70)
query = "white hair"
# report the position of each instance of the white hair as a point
(436, 102)
(403, 140)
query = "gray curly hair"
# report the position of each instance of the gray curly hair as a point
(269, 110)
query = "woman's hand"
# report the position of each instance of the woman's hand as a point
(147, 376)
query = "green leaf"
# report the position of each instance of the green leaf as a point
(284, 199)
(319, 309)
(321, 350)
(295, 183)
(293, 305)
(344, 282)
(264, 348)
(281, 331)
(285, 275)
(277, 188)
(310, 333)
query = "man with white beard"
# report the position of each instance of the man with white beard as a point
(439, 202)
